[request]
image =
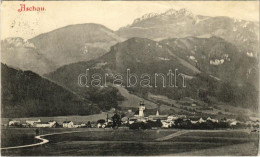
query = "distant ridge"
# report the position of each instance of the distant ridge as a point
(182, 23)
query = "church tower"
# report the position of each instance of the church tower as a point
(141, 109)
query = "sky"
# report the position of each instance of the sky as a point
(112, 14)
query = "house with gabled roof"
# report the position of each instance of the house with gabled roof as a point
(67, 124)
(31, 122)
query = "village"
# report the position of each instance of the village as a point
(139, 120)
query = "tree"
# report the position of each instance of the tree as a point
(101, 121)
(116, 120)
(88, 124)
(138, 125)
(225, 92)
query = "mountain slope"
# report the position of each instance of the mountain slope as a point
(75, 43)
(144, 56)
(136, 54)
(21, 54)
(25, 94)
(47, 52)
(140, 56)
(182, 23)
(216, 57)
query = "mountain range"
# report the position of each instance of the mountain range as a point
(182, 23)
(218, 55)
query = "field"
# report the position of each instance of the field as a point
(136, 142)
(17, 137)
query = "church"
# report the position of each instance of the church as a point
(141, 116)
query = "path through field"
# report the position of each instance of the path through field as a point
(172, 135)
(43, 141)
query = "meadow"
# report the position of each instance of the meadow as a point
(134, 142)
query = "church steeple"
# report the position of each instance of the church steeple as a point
(157, 113)
(158, 108)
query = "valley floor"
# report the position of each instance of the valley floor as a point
(131, 142)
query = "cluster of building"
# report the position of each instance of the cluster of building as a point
(169, 121)
(39, 124)
(33, 123)
(139, 116)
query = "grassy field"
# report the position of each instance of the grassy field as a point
(17, 137)
(224, 138)
(134, 142)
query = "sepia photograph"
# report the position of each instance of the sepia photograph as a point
(130, 78)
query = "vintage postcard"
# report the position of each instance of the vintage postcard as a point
(130, 78)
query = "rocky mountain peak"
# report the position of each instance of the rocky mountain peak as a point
(170, 12)
(183, 12)
(145, 16)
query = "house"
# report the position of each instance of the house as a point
(124, 120)
(193, 105)
(233, 123)
(166, 124)
(159, 117)
(76, 125)
(132, 120)
(137, 119)
(83, 125)
(14, 122)
(52, 123)
(31, 122)
(99, 125)
(172, 118)
(67, 124)
(107, 125)
(79, 125)
(182, 116)
(49, 124)
(194, 120)
(212, 120)
(201, 120)
(112, 110)
(142, 119)
(42, 125)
